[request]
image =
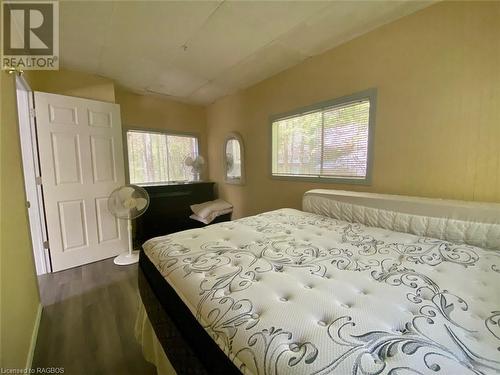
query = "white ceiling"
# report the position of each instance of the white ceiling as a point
(199, 51)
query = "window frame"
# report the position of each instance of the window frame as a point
(166, 132)
(371, 95)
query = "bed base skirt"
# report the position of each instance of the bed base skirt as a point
(174, 346)
(151, 347)
(188, 347)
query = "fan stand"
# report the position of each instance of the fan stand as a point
(131, 256)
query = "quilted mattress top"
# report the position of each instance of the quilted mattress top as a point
(290, 292)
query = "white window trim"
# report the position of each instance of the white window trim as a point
(126, 129)
(371, 95)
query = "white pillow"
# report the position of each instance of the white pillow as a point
(208, 211)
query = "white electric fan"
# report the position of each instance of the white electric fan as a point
(229, 162)
(196, 165)
(127, 203)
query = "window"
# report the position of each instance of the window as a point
(159, 157)
(329, 141)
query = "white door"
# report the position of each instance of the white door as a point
(81, 159)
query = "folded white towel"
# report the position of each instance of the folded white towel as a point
(208, 211)
(212, 217)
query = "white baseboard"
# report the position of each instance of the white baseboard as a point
(34, 336)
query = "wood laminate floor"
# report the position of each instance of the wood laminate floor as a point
(88, 318)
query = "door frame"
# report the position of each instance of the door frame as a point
(32, 176)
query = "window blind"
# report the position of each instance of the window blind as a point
(330, 142)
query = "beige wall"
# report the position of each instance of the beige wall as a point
(437, 126)
(66, 82)
(151, 112)
(19, 298)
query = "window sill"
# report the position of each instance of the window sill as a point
(170, 183)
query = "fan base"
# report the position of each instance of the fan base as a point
(125, 259)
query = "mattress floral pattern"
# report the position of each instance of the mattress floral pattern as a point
(289, 292)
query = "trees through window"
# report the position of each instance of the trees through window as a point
(330, 142)
(158, 157)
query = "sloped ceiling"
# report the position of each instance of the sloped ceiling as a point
(200, 51)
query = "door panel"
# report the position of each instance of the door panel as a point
(73, 224)
(63, 115)
(100, 119)
(81, 157)
(103, 160)
(108, 226)
(67, 158)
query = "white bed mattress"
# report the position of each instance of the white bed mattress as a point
(290, 292)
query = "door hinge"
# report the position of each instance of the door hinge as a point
(46, 244)
(38, 180)
(32, 112)
(28, 204)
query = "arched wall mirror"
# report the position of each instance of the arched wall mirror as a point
(234, 159)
